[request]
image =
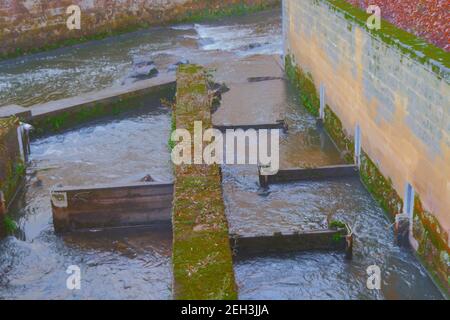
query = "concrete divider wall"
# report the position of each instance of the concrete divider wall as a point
(55, 116)
(202, 258)
(396, 88)
(12, 167)
(41, 24)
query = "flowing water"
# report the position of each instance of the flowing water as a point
(135, 263)
(306, 206)
(93, 66)
(117, 264)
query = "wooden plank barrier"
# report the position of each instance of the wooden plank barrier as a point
(328, 239)
(322, 173)
(109, 206)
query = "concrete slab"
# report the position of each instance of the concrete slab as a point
(257, 93)
(103, 97)
(22, 113)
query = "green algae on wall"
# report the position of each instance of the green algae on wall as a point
(202, 256)
(304, 83)
(380, 187)
(335, 129)
(307, 93)
(433, 247)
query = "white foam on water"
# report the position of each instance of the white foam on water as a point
(243, 40)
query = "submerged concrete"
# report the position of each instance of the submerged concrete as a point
(249, 103)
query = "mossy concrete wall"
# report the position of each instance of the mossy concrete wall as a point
(41, 24)
(396, 88)
(202, 257)
(12, 168)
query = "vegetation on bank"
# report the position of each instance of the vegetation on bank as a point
(10, 225)
(210, 13)
(202, 256)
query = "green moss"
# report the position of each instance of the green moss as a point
(335, 129)
(337, 225)
(202, 258)
(380, 187)
(305, 86)
(9, 225)
(14, 177)
(173, 126)
(337, 238)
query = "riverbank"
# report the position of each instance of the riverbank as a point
(33, 37)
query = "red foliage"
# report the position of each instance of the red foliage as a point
(427, 19)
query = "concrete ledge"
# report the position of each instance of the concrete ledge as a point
(62, 114)
(22, 113)
(330, 239)
(293, 175)
(111, 206)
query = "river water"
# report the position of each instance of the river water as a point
(306, 206)
(135, 263)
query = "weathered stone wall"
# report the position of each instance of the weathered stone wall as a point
(38, 24)
(12, 168)
(396, 88)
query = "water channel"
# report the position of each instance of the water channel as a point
(135, 263)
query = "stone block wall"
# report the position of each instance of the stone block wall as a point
(396, 88)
